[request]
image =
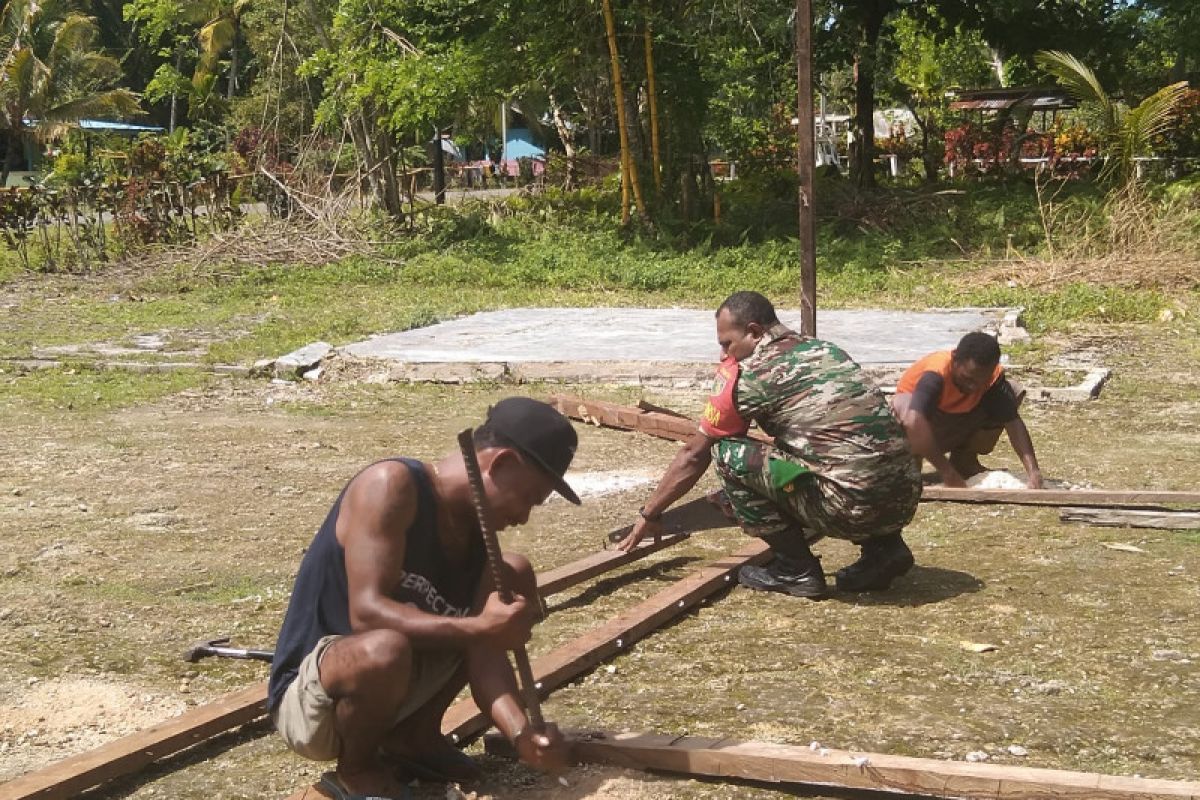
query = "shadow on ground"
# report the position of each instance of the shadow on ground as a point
(921, 586)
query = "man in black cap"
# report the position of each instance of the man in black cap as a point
(393, 611)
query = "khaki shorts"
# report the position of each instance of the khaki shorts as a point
(305, 716)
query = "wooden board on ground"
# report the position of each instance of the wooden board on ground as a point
(1125, 518)
(615, 415)
(679, 522)
(1107, 498)
(69, 777)
(792, 764)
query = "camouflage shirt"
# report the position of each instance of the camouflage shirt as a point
(822, 410)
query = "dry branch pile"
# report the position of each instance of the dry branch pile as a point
(1133, 240)
(317, 231)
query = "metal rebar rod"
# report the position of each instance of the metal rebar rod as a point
(491, 543)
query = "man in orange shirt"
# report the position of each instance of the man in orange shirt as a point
(956, 402)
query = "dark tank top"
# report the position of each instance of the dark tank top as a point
(320, 603)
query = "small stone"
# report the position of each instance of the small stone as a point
(17, 491)
(976, 756)
(185, 686)
(740, 707)
(84, 507)
(1017, 750)
(5, 613)
(1167, 655)
(1050, 687)
(32, 681)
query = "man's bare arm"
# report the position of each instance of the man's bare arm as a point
(1022, 444)
(379, 507)
(923, 443)
(685, 470)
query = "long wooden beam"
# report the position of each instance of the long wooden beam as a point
(791, 764)
(615, 415)
(67, 778)
(70, 777)
(1096, 498)
(464, 721)
(670, 426)
(1125, 518)
(564, 577)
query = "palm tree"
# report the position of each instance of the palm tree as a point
(221, 26)
(51, 75)
(1125, 132)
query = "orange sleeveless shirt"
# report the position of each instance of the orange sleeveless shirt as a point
(952, 400)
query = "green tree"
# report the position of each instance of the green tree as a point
(161, 25)
(220, 32)
(926, 65)
(1125, 132)
(51, 75)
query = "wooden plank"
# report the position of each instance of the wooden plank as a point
(790, 764)
(464, 720)
(128, 754)
(665, 425)
(1109, 498)
(1126, 518)
(556, 580)
(615, 415)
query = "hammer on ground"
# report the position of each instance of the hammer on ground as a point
(216, 647)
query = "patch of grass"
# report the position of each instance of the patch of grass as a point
(83, 390)
(10, 267)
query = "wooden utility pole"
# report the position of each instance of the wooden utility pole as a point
(806, 159)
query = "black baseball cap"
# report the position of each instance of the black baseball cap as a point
(540, 433)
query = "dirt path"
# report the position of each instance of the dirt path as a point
(128, 535)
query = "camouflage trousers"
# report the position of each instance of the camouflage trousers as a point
(772, 492)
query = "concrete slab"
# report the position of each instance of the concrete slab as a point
(632, 343)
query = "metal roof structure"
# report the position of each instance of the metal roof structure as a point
(1036, 97)
(118, 127)
(107, 126)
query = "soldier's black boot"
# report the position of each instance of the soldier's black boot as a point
(794, 570)
(882, 561)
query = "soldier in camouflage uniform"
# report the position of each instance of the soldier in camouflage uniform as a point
(839, 466)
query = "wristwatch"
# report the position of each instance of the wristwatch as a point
(649, 518)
